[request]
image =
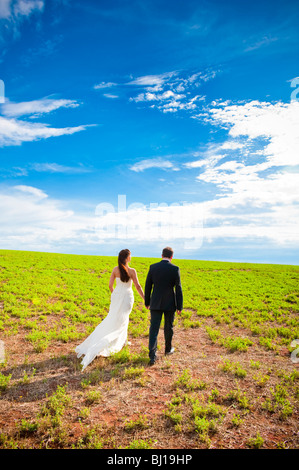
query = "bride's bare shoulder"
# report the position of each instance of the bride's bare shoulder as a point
(132, 271)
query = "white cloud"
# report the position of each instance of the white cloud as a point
(278, 123)
(171, 92)
(103, 85)
(270, 140)
(254, 171)
(37, 193)
(232, 145)
(14, 12)
(15, 132)
(153, 163)
(109, 95)
(210, 156)
(265, 41)
(197, 163)
(26, 7)
(56, 168)
(35, 107)
(30, 219)
(156, 81)
(5, 10)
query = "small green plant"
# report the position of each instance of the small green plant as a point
(267, 343)
(140, 444)
(91, 440)
(26, 378)
(93, 396)
(27, 427)
(202, 425)
(186, 381)
(240, 397)
(84, 413)
(54, 408)
(4, 381)
(7, 442)
(133, 372)
(255, 364)
(261, 379)
(236, 343)
(207, 410)
(233, 367)
(187, 323)
(255, 442)
(237, 421)
(206, 417)
(174, 416)
(173, 410)
(214, 394)
(213, 334)
(141, 422)
(121, 357)
(286, 410)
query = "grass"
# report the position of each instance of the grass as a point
(231, 382)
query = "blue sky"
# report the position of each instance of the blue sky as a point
(182, 114)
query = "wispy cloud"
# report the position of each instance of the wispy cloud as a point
(111, 96)
(36, 107)
(255, 171)
(160, 163)
(276, 123)
(32, 219)
(27, 7)
(263, 42)
(104, 85)
(14, 131)
(168, 92)
(12, 9)
(35, 192)
(173, 91)
(57, 168)
(5, 9)
(14, 12)
(156, 81)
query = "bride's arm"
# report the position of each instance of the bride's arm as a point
(136, 283)
(111, 281)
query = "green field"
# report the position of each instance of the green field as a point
(231, 382)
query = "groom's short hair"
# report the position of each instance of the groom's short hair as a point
(167, 252)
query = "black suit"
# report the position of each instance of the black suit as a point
(163, 293)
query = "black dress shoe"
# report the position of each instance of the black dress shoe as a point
(167, 353)
(153, 360)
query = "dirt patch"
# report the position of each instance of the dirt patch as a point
(36, 376)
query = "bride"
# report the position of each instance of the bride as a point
(110, 335)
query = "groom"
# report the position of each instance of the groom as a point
(166, 297)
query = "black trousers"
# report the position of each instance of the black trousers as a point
(156, 317)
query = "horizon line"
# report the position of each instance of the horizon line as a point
(152, 257)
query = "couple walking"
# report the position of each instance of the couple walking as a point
(162, 295)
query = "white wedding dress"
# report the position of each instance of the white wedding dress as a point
(110, 335)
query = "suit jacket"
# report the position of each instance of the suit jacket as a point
(163, 290)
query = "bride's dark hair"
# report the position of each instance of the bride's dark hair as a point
(122, 257)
